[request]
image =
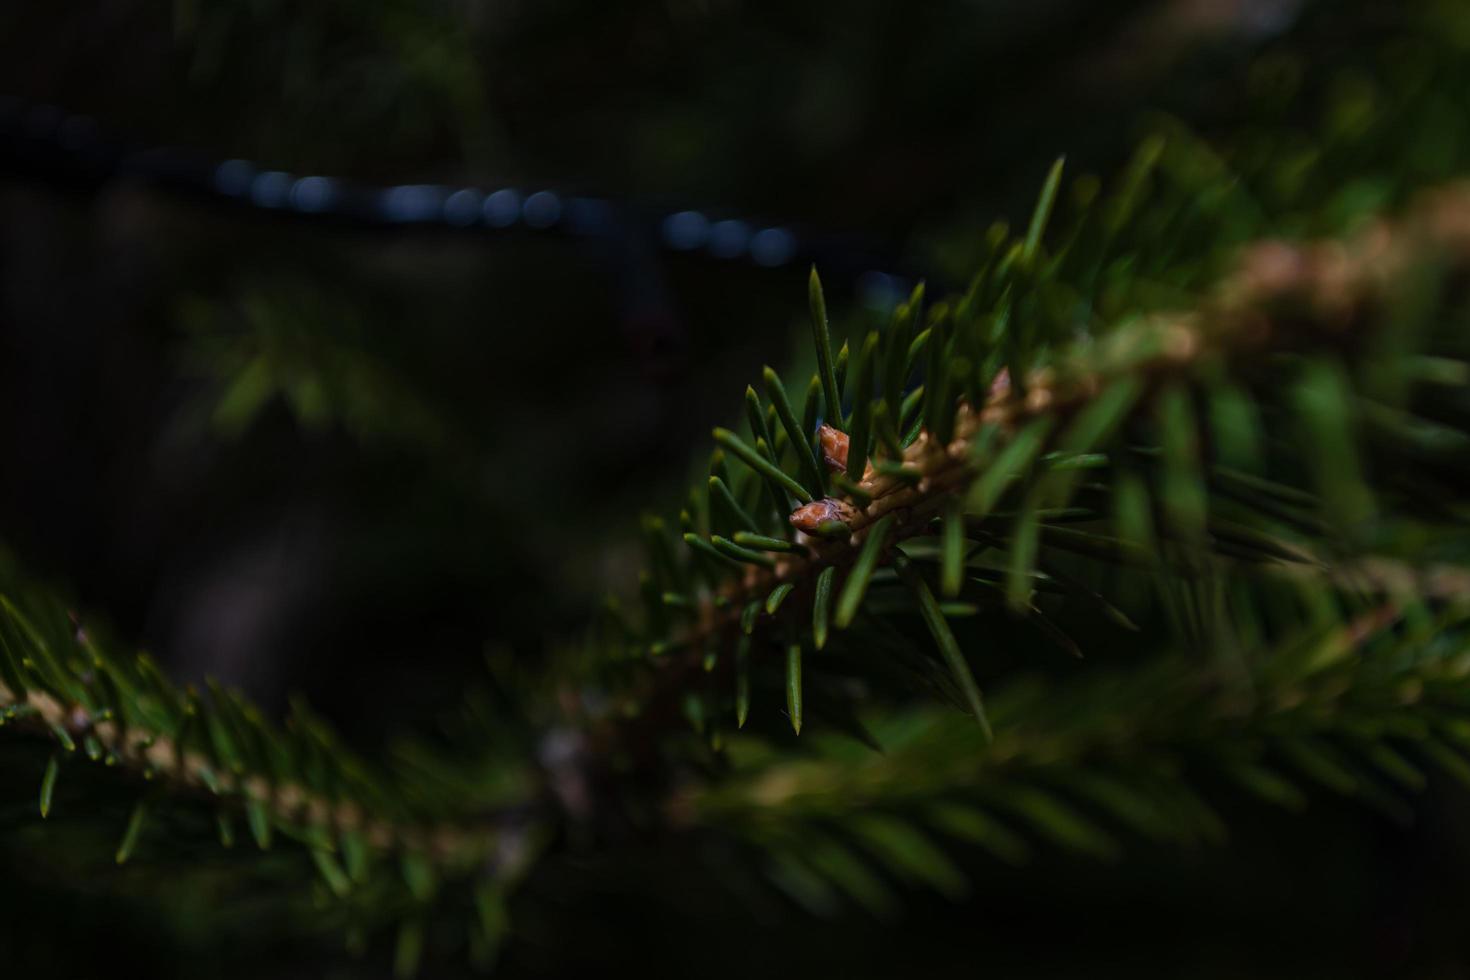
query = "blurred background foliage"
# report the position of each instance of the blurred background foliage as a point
(306, 457)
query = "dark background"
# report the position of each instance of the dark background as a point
(501, 404)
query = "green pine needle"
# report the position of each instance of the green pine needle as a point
(937, 398)
(226, 827)
(862, 410)
(886, 431)
(749, 615)
(732, 550)
(811, 410)
(778, 595)
(260, 823)
(801, 439)
(843, 357)
(742, 679)
(1024, 540)
(337, 881)
(952, 550)
(1042, 214)
(822, 605)
(793, 685)
(755, 416)
(409, 951)
(763, 542)
(63, 737)
(758, 462)
(130, 835)
(48, 783)
(862, 572)
(949, 649)
(703, 547)
(822, 340)
(1011, 463)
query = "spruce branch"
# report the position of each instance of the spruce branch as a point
(1039, 472)
(1111, 407)
(1361, 710)
(380, 843)
(1322, 299)
(159, 758)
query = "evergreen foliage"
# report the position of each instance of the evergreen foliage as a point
(1160, 514)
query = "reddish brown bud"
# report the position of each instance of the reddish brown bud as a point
(834, 450)
(809, 517)
(834, 447)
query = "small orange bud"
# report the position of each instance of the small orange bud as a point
(834, 447)
(809, 517)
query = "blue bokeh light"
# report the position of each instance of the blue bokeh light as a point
(314, 194)
(462, 208)
(541, 210)
(772, 247)
(502, 208)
